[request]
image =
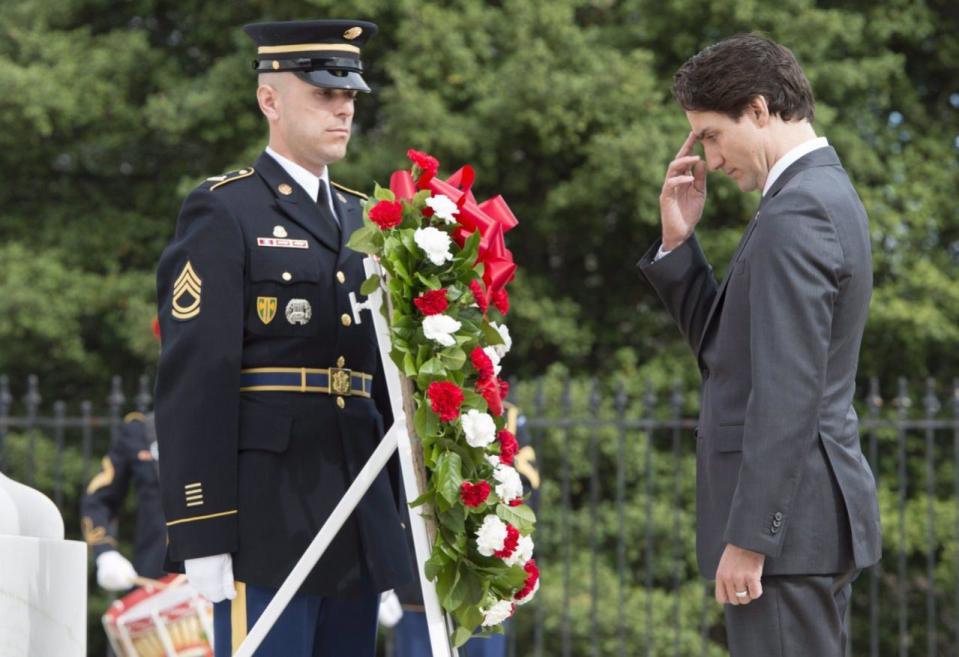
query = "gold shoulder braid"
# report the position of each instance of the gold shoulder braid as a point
(232, 176)
(349, 191)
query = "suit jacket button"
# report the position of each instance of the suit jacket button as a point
(340, 402)
(346, 319)
(341, 277)
(287, 276)
(778, 515)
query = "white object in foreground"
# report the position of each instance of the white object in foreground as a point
(43, 579)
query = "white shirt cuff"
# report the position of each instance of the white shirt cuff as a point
(662, 253)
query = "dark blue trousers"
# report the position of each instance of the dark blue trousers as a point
(311, 626)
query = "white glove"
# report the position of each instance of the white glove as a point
(212, 577)
(390, 610)
(114, 572)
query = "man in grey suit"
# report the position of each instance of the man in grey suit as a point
(787, 512)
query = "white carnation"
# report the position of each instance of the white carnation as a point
(522, 554)
(491, 536)
(494, 358)
(443, 208)
(510, 486)
(529, 596)
(480, 429)
(440, 328)
(503, 330)
(498, 613)
(435, 243)
(492, 459)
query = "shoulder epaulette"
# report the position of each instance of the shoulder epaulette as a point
(231, 176)
(349, 191)
(135, 416)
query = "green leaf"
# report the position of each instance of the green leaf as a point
(383, 193)
(368, 239)
(491, 335)
(409, 364)
(370, 285)
(433, 367)
(448, 476)
(460, 636)
(435, 564)
(452, 358)
(454, 519)
(425, 421)
(521, 517)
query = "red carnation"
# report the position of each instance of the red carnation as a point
(482, 363)
(489, 388)
(508, 447)
(387, 214)
(445, 399)
(479, 295)
(503, 389)
(516, 502)
(474, 494)
(427, 164)
(501, 301)
(433, 302)
(509, 545)
(532, 576)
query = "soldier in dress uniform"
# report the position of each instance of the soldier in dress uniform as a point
(270, 395)
(132, 459)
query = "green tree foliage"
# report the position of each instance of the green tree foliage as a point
(112, 112)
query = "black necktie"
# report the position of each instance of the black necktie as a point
(323, 203)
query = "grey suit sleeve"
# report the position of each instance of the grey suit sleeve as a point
(684, 282)
(795, 269)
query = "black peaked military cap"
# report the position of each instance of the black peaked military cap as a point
(325, 53)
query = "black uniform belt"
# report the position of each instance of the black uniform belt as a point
(332, 380)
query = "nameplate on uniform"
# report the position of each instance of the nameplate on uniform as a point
(282, 243)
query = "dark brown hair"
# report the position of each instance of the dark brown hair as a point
(727, 75)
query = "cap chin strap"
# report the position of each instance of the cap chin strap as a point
(308, 64)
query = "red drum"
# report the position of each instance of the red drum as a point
(167, 620)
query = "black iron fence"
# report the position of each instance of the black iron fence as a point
(615, 539)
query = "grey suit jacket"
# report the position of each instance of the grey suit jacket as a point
(779, 465)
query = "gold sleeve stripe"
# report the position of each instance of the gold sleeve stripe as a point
(206, 517)
(238, 616)
(104, 478)
(349, 191)
(95, 535)
(135, 416)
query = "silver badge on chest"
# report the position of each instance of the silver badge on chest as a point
(298, 311)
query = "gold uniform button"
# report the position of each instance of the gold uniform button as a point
(287, 276)
(341, 277)
(346, 319)
(341, 402)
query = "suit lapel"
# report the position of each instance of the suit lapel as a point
(297, 205)
(817, 158)
(717, 302)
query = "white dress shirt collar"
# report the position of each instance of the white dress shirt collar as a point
(791, 156)
(305, 178)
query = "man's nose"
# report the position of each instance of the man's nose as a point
(345, 107)
(714, 160)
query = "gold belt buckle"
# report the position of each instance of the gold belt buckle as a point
(341, 381)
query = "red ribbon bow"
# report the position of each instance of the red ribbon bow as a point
(492, 218)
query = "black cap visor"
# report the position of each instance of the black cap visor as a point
(334, 79)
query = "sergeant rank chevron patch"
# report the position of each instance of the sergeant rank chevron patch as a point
(186, 294)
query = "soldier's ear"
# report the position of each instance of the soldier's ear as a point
(268, 96)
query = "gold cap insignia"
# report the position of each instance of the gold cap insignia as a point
(266, 309)
(285, 189)
(187, 286)
(352, 33)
